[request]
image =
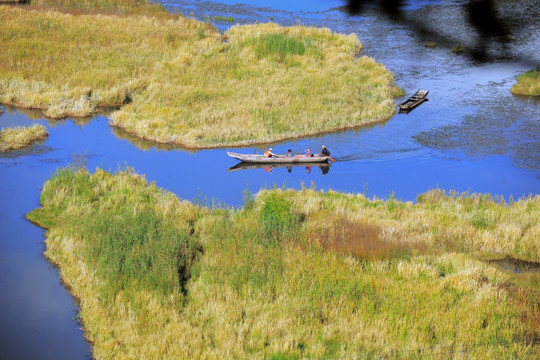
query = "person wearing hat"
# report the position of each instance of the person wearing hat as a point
(269, 153)
(325, 151)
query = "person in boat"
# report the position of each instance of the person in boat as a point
(269, 153)
(325, 151)
(290, 154)
(309, 153)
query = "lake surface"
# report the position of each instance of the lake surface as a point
(472, 135)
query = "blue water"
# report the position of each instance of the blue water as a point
(472, 135)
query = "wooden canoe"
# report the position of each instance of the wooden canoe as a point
(278, 159)
(414, 100)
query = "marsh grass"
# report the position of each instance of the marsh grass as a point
(293, 274)
(177, 81)
(101, 6)
(527, 84)
(18, 137)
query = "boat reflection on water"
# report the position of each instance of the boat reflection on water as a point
(325, 168)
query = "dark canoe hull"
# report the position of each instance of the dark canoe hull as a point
(414, 100)
(279, 159)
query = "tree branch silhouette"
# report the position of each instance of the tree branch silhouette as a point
(492, 29)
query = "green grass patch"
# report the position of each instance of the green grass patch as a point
(278, 45)
(277, 218)
(223, 18)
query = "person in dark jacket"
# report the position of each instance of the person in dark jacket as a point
(325, 151)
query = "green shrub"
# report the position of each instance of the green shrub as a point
(277, 219)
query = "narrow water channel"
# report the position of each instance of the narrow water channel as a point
(472, 135)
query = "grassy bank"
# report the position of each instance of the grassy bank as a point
(18, 137)
(180, 81)
(527, 84)
(108, 7)
(293, 274)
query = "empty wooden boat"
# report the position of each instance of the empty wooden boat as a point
(415, 100)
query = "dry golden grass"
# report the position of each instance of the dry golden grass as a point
(270, 286)
(18, 137)
(528, 84)
(106, 7)
(120, 5)
(187, 85)
(68, 65)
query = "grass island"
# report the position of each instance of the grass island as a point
(178, 80)
(19, 137)
(527, 84)
(292, 274)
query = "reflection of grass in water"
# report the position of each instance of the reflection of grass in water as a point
(293, 274)
(147, 144)
(186, 85)
(18, 137)
(527, 83)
